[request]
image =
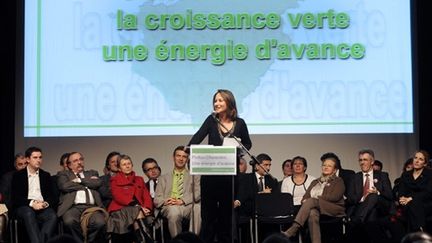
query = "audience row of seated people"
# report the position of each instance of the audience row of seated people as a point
(121, 204)
(92, 208)
(361, 198)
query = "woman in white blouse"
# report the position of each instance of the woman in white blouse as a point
(298, 182)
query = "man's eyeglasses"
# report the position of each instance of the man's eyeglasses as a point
(151, 169)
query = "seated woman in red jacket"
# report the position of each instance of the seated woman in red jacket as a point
(131, 204)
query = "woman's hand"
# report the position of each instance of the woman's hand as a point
(146, 211)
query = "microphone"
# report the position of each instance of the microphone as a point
(214, 115)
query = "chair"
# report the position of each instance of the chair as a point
(18, 233)
(157, 230)
(332, 228)
(164, 232)
(13, 227)
(273, 208)
(245, 222)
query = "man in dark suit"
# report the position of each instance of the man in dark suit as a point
(6, 179)
(111, 169)
(250, 184)
(79, 196)
(370, 192)
(32, 198)
(152, 170)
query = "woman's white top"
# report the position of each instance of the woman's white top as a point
(296, 190)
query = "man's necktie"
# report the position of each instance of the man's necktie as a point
(260, 184)
(366, 186)
(180, 185)
(87, 193)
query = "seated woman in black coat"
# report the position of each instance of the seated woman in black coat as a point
(415, 192)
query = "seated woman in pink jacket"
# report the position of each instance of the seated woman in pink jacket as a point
(324, 196)
(131, 207)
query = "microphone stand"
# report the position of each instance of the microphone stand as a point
(254, 163)
(192, 220)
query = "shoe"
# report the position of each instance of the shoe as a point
(292, 230)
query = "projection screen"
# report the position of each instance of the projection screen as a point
(128, 67)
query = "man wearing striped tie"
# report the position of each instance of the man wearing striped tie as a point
(178, 195)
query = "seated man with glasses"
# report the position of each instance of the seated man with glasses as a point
(80, 203)
(152, 170)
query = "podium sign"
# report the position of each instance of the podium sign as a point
(213, 160)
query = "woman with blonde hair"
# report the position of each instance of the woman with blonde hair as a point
(324, 196)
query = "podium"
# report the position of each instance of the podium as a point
(213, 160)
(217, 166)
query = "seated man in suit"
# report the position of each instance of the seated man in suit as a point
(80, 201)
(5, 193)
(370, 192)
(178, 195)
(6, 179)
(250, 184)
(152, 170)
(33, 197)
(111, 169)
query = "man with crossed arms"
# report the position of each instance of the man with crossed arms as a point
(79, 193)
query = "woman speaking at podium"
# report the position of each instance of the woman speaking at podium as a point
(217, 190)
